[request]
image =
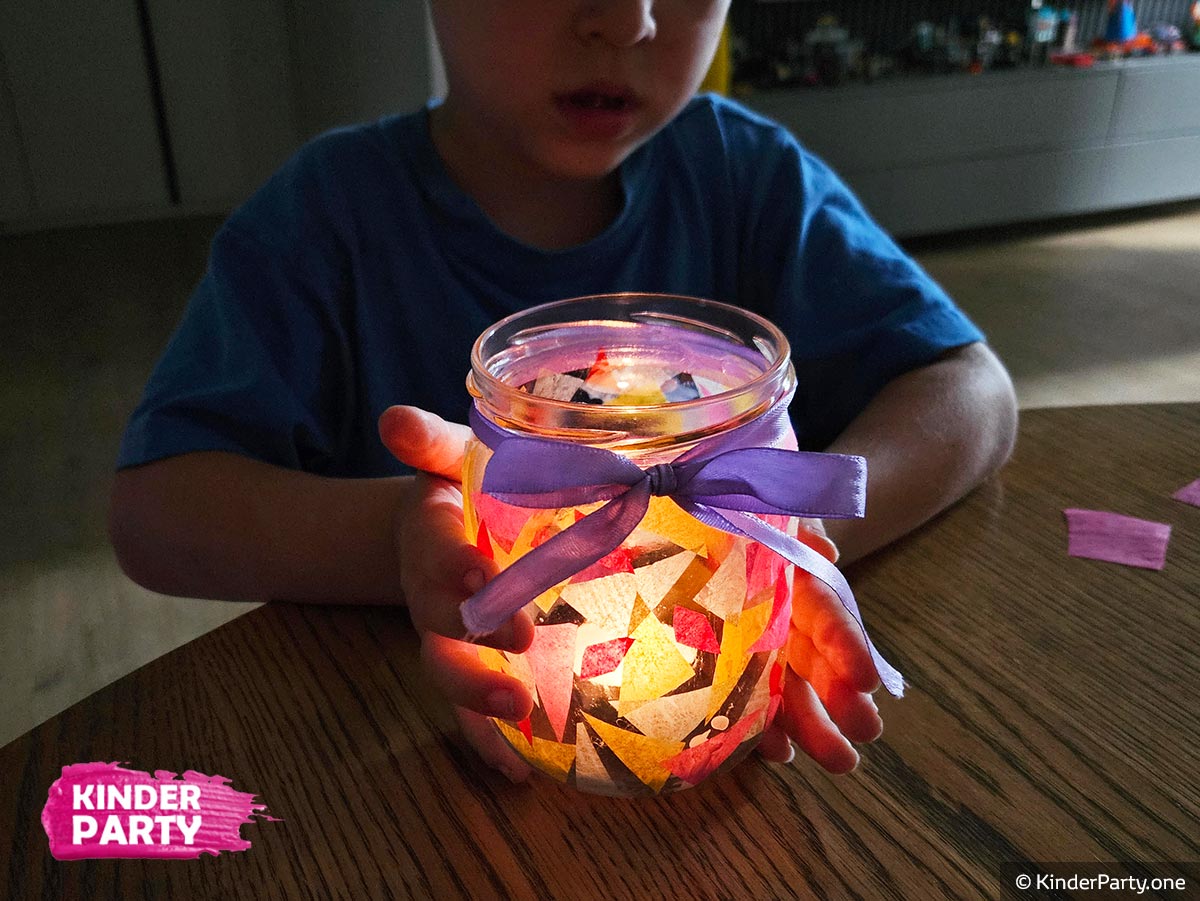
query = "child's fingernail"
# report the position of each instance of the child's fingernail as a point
(791, 752)
(474, 580)
(502, 704)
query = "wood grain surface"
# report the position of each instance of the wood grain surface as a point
(1051, 716)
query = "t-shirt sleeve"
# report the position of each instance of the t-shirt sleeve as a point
(257, 366)
(857, 310)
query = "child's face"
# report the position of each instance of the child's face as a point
(572, 86)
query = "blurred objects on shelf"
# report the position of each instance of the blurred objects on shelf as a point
(1167, 38)
(1078, 60)
(827, 55)
(1122, 39)
(1069, 37)
(934, 48)
(1122, 24)
(1041, 30)
(1068, 52)
(988, 45)
(830, 53)
(782, 44)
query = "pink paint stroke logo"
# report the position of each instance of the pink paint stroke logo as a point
(102, 810)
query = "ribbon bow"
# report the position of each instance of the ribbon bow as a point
(721, 481)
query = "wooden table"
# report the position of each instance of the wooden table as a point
(1051, 717)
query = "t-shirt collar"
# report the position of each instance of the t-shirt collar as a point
(494, 250)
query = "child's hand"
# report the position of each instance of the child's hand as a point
(826, 691)
(438, 571)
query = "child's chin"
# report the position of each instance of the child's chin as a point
(589, 163)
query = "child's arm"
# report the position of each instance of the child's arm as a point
(220, 525)
(929, 436)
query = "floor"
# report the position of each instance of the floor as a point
(1084, 312)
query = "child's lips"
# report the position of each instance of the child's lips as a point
(599, 111)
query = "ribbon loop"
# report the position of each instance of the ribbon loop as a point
(722, 481)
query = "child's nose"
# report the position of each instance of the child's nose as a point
(622, 23)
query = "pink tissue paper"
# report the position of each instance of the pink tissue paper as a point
(1118, 539)
(1189, 494)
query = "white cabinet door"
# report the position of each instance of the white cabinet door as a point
(82, 100)
(1158, 98)
(16, 202)
(357, 61)
(228, 93)
(246, 81)
(916, 122)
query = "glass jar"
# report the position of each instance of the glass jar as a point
(654, 667)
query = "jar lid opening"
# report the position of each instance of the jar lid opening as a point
(636, 367)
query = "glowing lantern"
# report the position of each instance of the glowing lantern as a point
(655, 664)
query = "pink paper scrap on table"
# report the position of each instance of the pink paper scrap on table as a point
(1189, 494)
(1098, 535)
(102, 810)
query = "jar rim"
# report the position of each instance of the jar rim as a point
(768, 386)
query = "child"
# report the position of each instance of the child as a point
(568, 158)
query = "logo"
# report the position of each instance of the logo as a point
(102, 810)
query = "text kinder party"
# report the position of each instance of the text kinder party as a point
(97, 810)
(124, 826)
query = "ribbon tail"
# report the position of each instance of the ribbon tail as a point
(811, 562)
(573, 549)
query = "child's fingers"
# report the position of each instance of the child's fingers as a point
(818, 613)
(807, 662)
(436, 609)
(805, 720)
(812, 533)
(424, 440)
(853, 711)
(456, 670)
(775, 745)
(437, 612)
(440, 570)
(482, 735)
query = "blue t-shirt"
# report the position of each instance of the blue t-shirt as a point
(359, 276)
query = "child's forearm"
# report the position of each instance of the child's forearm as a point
(218, 525)
(929, 437)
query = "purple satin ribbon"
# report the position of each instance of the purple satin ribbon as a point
(720, 481)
